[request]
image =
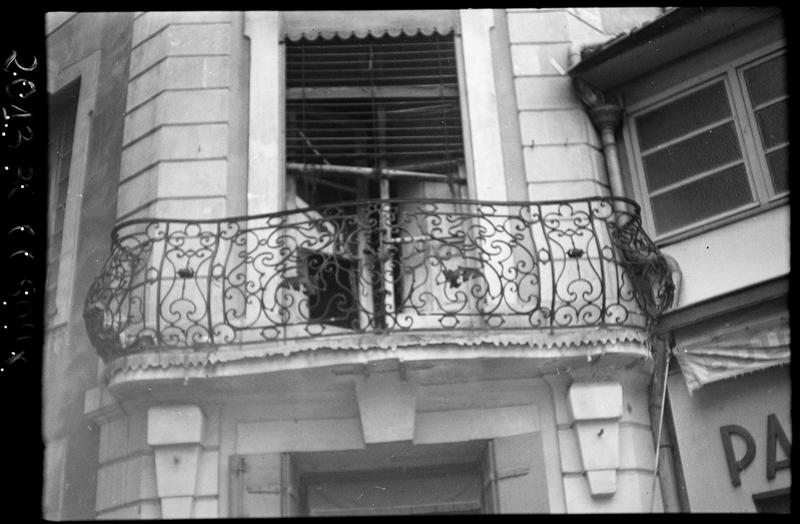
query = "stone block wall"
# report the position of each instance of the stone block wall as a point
(346, 417)
(126, 486)
(562, 152)
(128, 475)
(633, 482)
(175, 156)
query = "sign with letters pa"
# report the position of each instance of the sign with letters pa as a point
(776, 436)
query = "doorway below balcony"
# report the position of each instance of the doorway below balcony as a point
(396, 478)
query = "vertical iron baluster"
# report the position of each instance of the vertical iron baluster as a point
(601, 320)
(159, 301)
(208, 284)
(386, 253)
(552, 312)
(367, 263)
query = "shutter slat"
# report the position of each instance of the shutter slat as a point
(374, 102)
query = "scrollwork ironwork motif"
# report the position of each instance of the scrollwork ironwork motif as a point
(380, 266)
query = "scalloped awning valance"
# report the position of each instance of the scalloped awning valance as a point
(346, 24)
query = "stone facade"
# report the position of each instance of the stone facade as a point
(174, 136)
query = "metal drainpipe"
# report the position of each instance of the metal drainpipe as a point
(606, 118)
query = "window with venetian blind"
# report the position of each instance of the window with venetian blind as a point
(697, 165)
(364, 108)
(369, 117)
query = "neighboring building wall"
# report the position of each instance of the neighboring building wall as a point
(95, 48)
(715, 263)
(126, 487)
(731, 267)
(715, 260)
(745, 401)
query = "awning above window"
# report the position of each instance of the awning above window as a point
(750, 348)
(346, 24)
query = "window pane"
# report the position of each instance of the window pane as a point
(773, 124)
(767, 80)
(779, 169)
(684, 115)
(704, 198)
(703, 152)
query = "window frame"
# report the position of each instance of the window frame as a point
(465, 163)
(753, 156)
(86, 71)
(292, 196)
(750, 114)
(66, 99)
(489, 146)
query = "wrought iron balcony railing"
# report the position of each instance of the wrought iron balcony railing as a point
(380, 266)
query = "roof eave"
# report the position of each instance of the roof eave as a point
(668, 37)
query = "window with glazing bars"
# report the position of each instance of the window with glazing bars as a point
(696, 162)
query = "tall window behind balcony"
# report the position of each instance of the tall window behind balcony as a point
(384, 105)
(369, 118)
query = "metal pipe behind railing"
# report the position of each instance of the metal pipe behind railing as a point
(370, 172)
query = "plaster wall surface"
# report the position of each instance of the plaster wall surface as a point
(744, 401)
(752, 250)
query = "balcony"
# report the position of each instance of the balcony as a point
(377, 268)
